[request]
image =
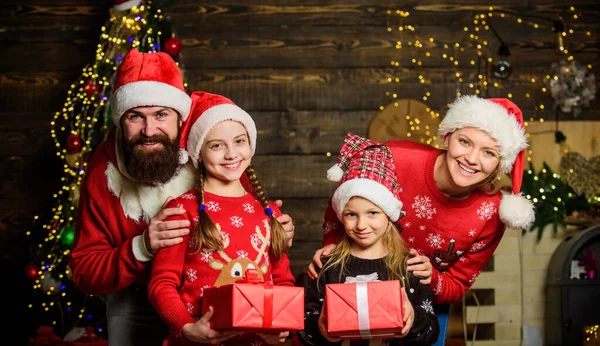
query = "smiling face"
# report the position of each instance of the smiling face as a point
(365, 223)
(150, 143)
(226, 153)
(472, 157)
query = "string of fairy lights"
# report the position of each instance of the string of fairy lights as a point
(471, 49)
(471, 36)
(77, 129)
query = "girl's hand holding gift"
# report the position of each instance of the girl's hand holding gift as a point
(408, 313)
(323, 326)
(200, 331)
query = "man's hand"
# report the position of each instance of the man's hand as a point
(274, 339)
(420, 266)
(316, 261)
(160, 233)
(286, 221)
(200, 331)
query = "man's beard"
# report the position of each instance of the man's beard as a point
(151, 167)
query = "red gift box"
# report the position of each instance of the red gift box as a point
(364, 309)
(255, 306)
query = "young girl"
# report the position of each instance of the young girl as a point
(367, 204)
(231, 231)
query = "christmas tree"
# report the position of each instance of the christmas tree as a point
(552, 197)
(77, 129)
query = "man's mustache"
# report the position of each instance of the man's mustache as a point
(153, 139)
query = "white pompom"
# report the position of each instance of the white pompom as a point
(183, 157)
(335, 173)
(516, 211)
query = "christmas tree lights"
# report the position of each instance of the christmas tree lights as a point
(76, 130)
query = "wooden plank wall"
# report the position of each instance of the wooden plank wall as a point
(308, 71)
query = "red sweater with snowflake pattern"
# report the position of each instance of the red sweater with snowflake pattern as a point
(179, 277)
(459, 236)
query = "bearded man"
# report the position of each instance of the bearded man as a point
(131, 176)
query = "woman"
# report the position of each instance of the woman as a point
(456, 213)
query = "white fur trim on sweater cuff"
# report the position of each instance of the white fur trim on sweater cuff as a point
(139, 249)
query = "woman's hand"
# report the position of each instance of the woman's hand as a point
(323, 326)
(200, 331)
(316, 261)
(420, 266)
(274, 338)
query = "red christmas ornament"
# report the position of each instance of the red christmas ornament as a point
(74, 144)
(31, 271)
(172, 46)
(91, 88)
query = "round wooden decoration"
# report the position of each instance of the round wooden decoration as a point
(406, 119)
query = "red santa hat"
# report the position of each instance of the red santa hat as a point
(207, 111)
(148, 79)
(125, 5)
(370, 174)
(503, 121)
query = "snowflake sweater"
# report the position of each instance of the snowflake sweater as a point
(180, 276)
(459, 236)
(425, 329)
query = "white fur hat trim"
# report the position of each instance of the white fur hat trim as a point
(209, 119)
(148, 93)
(371, 190)
(473, 111)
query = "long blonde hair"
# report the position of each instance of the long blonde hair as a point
(207, 236)
(395, 261)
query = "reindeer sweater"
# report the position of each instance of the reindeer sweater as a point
(179, 276)
(459, 236)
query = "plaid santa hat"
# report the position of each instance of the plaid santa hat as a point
(207, 111)
(371, 174)
(148, 79)
(503, 121)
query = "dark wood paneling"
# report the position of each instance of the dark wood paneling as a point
(307, 46)
(293, 176)
(60, 13)
(352, 12)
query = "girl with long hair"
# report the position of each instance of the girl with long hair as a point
(367, 203)
(232, 230)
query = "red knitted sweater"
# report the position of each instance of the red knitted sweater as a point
(179, 276)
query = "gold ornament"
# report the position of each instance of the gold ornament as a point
(74, 193)
(73, 159)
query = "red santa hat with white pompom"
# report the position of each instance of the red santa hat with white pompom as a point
(503, 121)
(207, 111)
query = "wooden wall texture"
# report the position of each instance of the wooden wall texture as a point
(308, 71)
